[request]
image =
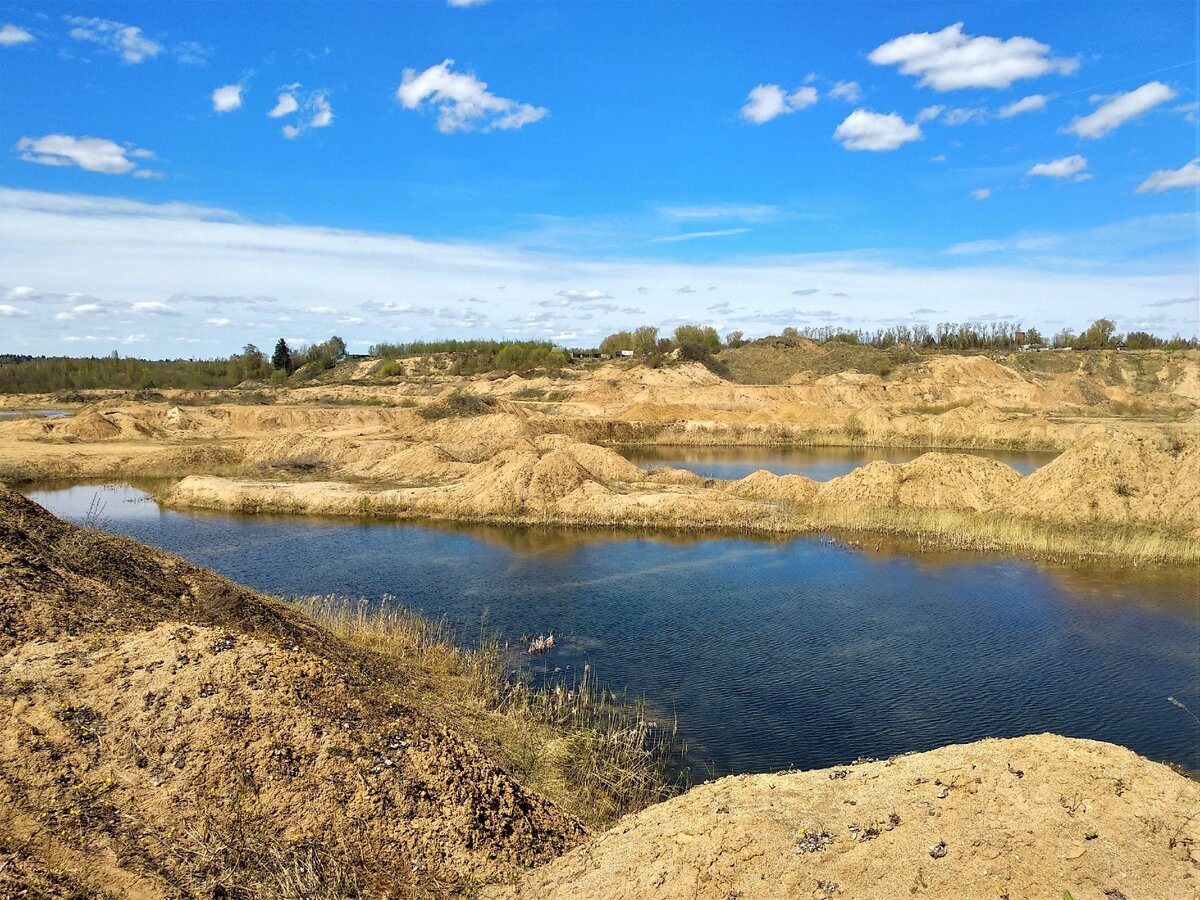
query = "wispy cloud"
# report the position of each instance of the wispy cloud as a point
(127, 41)
(209, 263)
(1186, 177)
(89, 153)
(718, 211)
(696, 235)
(1119, 109)
(1066, 167)
(1032, 103)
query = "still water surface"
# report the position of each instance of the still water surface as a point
(44, 413)
(772, 653)
(818, 463)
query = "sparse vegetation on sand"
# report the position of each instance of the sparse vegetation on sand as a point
(597, 753)
(169, 733)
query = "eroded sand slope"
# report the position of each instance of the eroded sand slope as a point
(1029, 817)
(165, 732)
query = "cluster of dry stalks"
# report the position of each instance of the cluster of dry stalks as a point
(598, 753)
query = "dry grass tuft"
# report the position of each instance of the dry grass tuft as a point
(596, 753)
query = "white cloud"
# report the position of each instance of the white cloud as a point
(714, 211)
(322, 112)
(11, 312)
(191, 53)
(227, 98)
(1119, 109)
(463, 4)
(463, 101)
(126, 40)
(850, 91)
(949, 60)
(1060, 168)
(11, 35)
(867, 130)
(81, 309)
(151, 174)
(767, 101)
(590, 296)
(928, 114)
(981, 193)
(963, 115)
(153, 308)
(284, 106)
(314, 111)
(92, 154)
(219, 322)
(322, 310)
(1026, 104)
(121, 252)
(940, 158)
(696, 235)
(1186, 176)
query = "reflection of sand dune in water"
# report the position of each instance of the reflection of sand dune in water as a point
(509, 467)
(1114, 478)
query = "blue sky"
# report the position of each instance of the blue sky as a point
(181, 178)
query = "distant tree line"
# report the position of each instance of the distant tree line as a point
(693, 340)
(472, 357)
(53, 374)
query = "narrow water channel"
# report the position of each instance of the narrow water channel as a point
(818, 463)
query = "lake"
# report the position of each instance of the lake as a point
(778, 653)
(818, 463)
(44, 413)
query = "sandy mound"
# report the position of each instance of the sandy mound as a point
(931, 481)
(1021, 818)
(1118, 476)
(764, 485)
(184, 731)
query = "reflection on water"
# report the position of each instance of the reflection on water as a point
(43, 413)
(772, 653)
(818, 463)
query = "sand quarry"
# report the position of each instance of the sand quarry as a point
(349, 449)
(166, 733)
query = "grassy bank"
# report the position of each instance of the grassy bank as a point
(992, 532)
(593, 752)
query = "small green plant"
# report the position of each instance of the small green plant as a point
(459, 405)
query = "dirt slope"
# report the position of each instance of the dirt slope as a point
(169, 733)
(1029, 817)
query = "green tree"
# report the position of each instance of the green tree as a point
(1099, 334)
(706, 336)
(644, 339)
(615, 343)
(281, 359)
(735, 339)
